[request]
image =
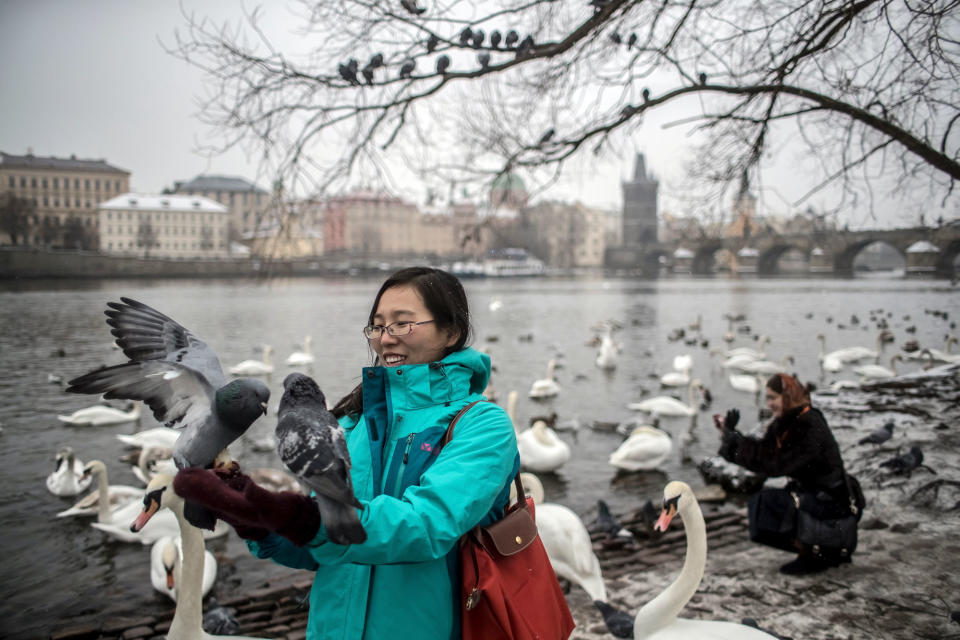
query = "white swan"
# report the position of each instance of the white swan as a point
(545, 387)
(828, 361)
(300, 358)
(254, 367)
(768, 367)
(153, 460)
(645, 449)
(936, 355)
(675, 379)
(683, 362)
(756, 354)
(166, 567)
(657, 620)
(876, 371)
(541, 449)
(746, 383)
(511, 409)
(737, 362)
(99, 415)
(67, 477)
(565, 539)
(117, 495)
(667, 406)
(187, 621)
(607, 355)
(155, 437)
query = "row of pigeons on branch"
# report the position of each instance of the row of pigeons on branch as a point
(352, 73)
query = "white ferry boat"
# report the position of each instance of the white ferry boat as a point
(503, 263)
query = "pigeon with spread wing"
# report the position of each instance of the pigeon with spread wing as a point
(180, 378)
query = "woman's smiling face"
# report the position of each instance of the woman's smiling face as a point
(426, 343)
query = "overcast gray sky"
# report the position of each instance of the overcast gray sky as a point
(91, 78)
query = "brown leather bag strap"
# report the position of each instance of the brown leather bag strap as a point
(449, 434)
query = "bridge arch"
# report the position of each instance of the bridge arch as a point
(768, 262)
(946, 265)
(843, 262)
(703, 258)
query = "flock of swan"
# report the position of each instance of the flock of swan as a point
(183, 570)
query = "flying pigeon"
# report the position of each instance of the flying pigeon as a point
(608, 524)
(879, 436)
(311, 444)
(180, 378)
(619, 623)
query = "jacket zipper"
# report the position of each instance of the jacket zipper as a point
(403, 462)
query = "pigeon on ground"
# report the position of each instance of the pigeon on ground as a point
(608, 524)
(180, 378)
(907, 462)
(311, 444)
(879, 436)
(219, 620)
(619, 623)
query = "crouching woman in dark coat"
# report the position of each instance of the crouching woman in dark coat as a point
(797, 444)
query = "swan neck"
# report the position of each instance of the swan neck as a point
(188, 616)
(664, 609)
(103, 496)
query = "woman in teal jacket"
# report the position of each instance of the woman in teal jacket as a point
(403, 581)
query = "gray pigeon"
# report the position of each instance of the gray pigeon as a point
(619, 623)
(879, 436)
(608, 524)
(907, 462)
(179, 377)
(311, 444)
(220, 620)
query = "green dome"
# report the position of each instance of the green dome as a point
(508, 182)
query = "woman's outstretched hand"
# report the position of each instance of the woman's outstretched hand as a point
(254, 512)
(728, 421)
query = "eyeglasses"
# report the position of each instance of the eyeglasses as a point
(402, 328)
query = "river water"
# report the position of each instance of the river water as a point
(59, 571)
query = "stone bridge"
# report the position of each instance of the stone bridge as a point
(926, 251)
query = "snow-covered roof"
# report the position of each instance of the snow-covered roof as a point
(922, 246)
(162, 202)
(682, 253)
(748, 252)
(816, 251)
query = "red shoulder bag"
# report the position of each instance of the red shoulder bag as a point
(508, 587)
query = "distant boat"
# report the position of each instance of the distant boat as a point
(467, 269)
(504, 263)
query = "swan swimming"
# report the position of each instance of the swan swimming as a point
(67, 478)
(646, 449)
(667, 406)
(300, 358)
(541, 449)
(545, 387)
(166, 567)
(100, 415)
(92, 504)
(254, 367)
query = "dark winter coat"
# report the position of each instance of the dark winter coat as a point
(798, 445)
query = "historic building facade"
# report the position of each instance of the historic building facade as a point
(247, 203)
(63, 195)
(166, 225)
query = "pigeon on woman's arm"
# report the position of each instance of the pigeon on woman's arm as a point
(180, 378)
(311, 444)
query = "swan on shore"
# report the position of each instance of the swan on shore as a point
(878, 372)
(254, 367)
(187, 623)
(166, 567)
(657, 620)
(67, 478)
(101, 415)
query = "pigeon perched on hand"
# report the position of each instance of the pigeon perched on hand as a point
(879, 436)
(180, 378)
(311, 444)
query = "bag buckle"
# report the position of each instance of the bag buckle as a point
(473, 598)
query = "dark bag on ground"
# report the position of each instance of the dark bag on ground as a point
(779, 517)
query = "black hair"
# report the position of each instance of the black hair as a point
(444, 298)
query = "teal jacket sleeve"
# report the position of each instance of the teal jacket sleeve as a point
(282, 551)
(454, 494)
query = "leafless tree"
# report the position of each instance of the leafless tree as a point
(870, 88)
(146, 237)
(15, 214)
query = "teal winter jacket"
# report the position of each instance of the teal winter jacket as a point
(403, 582)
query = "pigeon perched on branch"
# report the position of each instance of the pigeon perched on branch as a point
(180, 378)
(406, 69)
(312, 446)
(412, 7)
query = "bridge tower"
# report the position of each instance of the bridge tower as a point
(640, 206)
